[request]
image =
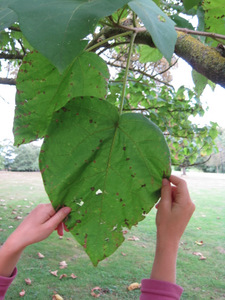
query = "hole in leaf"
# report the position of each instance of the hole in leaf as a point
(98, 192)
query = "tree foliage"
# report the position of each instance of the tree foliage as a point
(23, 158)
(104, 151)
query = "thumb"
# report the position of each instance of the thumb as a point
(58, 217)
(166, 193)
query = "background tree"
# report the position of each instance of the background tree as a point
(98, 137)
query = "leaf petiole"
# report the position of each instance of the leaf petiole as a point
(126, 72)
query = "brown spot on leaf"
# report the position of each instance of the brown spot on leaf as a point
(124, 148)
(85, 241)
(92, 188)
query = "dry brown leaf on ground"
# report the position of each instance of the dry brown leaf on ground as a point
(22, 293)
(200, 243)
(54, 273)
(28, 281)
(73, 276)
(63, 264)
(40, 255)
(57, 297)
(97, 288)
(134, 286)
(63, 275)
(133, 238)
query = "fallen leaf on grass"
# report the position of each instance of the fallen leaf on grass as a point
(143, 246)
(60, 237)
(57, 297)
(134, 286)
(199, 228)
(22, 293)
(69, 239)
(63, 264)
(10, 226)
(133, 238)
(40, 255)
(28, 281)
(201, 256)
(63, 275)
(73, 276)
(125, 231)
(54, 273)
(18, 218)
(124, 254)
(97, 288)
(200, 243)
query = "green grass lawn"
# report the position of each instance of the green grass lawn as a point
(201, 279)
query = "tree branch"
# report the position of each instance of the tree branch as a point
(9, 81)
(141, 72)
(201, 33)
(11, 56)
(204, 59)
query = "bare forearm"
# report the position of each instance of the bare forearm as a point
(9, 257)
(164, 266)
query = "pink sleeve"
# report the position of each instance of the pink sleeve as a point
(159, 290)
(5, 283)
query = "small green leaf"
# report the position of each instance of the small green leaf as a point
(148, 54)
(188, 4)
(58, 28)
(41, 90)
(200, 82)
(182, 22)
(107, 167)
(159, 25)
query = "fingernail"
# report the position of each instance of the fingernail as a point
(165, 182)
(67, 210)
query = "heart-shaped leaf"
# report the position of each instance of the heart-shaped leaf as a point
(57, 28)
(159, 25)
(41, 90)
(108, 168)
(7, 16)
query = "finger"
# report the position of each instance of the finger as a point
(65, 228)
(181, 189)
(166, 196)
(60, 229)
(55, 220)
(180, 183)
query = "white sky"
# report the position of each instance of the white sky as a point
(181, 76)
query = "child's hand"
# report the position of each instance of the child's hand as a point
(174, 210)
(38, 225)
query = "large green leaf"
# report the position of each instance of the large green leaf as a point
(107, 168)
(7, 16)
(159, 25)
(57, 28)
(214, 17)
(41, 90)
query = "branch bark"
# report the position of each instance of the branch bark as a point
(204, 59)
(9, 81)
